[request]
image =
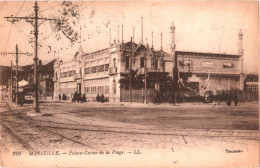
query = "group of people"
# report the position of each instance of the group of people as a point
(231, 97)
(100, 98)
(76, 97)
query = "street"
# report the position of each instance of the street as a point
(157, 135)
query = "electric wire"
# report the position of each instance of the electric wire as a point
(20, 8)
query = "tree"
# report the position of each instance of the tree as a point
(137, 80)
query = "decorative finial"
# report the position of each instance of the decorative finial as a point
(118, 34)
(142, 30)
(152, 39)
(172, 28)
(240, 35)
(110, 36)
(161, 41)
(122, 33)
(133, 33)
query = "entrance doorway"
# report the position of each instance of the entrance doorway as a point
(79, 88)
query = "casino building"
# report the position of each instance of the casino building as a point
(100, 71)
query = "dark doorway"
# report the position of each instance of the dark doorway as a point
(79, 88)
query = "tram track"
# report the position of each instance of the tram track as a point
(35, 125)
(8, 130)
(77, 127)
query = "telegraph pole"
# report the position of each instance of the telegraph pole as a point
(16, 54)
(34, 21)
(130, 72)
(145, 82)
(16, 58)
(36, 101)
(11, 81)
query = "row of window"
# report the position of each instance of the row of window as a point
(98, 89)
(67, 74)
(206, 64)
(142, 63)
(99, 68)
(252, 88)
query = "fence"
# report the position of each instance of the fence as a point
(248, 96)
(137, 95)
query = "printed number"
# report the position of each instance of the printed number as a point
(17, 153)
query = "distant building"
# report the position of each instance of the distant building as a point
(45, 77)
(99, 72)
(252, 83)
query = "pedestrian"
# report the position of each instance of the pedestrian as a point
(235, 99)
(84, 98)
(102, 98)
(72, 98)
(23, 98)
(229, 99)
(76, 96)
(98, 98)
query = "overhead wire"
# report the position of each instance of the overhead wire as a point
(8, 36)
(21, 30)
(12, 26)
(20, 8)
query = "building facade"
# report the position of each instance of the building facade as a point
(99, 72)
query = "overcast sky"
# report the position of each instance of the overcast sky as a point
(200, 26)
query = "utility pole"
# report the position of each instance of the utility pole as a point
(130, 72)
(36, 101)
(145, 80)
(34, 21)
(11, 81)
(16, 53)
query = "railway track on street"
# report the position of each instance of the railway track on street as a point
(38, 126)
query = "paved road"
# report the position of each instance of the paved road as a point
(179, 136)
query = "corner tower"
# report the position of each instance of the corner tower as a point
(172, 45)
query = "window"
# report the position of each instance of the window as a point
(106, 67)
(93, 89)
(106, 89)
(100, 68)
(127, 62)
(71, 73)
(142, 62)
(63, 74)
(114, 62)
(156, 64)
(87, 89)
(114, 86)
(93, 70)
(87, 70)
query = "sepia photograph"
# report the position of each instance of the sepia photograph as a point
(129, 84)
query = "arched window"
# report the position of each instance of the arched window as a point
(114, 86)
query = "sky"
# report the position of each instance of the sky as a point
(201, 26)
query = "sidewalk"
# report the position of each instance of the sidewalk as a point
(142, 105)
(161, 105)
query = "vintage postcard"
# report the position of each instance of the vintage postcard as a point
(129, 84)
